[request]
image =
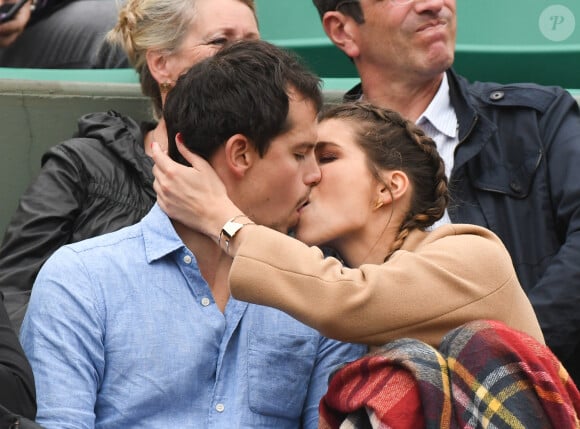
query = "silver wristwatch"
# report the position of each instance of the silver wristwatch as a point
(229, 230)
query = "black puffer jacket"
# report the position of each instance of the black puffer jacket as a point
(97, 182)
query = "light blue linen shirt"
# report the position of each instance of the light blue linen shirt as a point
(122, 332)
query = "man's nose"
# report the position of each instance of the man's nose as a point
(313, 174)
(433, 5)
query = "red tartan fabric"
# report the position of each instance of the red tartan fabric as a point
(484, 375)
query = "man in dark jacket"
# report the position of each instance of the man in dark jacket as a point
(511, 151)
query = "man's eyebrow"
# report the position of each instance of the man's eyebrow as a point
(305, 145)
(324, 143)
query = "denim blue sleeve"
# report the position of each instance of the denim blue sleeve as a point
(331, 355)
(62, 336)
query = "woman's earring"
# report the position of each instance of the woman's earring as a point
(379, 204)
(164, 87)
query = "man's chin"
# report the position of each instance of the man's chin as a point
(300, 235)
(284, 229)
(292, 225)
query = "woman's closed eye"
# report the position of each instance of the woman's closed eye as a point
(327, 152)
(326, 157)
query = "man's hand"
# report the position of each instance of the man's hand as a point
(10, 30)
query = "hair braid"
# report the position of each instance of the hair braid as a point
(435, 210)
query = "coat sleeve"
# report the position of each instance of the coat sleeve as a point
(43, 221)
(16, 381)
(420, 294)
(556, 296)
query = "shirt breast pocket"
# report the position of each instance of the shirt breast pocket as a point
(279, 370)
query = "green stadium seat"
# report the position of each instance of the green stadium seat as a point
(519, 41)
(113, 76)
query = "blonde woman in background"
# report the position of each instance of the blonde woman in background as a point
(100, 180)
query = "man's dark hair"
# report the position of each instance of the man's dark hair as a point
(348, 7)
(242, 89)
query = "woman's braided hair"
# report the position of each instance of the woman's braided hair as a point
(391, 142)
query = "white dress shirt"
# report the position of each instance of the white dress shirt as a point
(439, 122)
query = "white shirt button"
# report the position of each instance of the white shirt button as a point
(220, 408)
(187, 259)
(205, 302)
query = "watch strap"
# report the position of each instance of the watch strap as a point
(230, 229)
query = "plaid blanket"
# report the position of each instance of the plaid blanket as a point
(484, 375)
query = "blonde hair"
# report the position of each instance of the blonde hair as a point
(162, 25)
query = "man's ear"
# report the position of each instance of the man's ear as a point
(240, 154)
(341, 29)
(394, 186)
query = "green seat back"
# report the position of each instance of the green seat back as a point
(519, 41)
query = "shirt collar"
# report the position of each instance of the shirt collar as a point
(159, 235)
(440, 112)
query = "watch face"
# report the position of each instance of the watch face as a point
(230, 228)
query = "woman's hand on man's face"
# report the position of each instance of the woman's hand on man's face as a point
(195, 196)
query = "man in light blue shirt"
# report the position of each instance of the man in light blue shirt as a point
(136, 329)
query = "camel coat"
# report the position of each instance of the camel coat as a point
(437, 281)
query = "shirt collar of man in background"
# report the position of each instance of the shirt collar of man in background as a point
(439, 121)
(440, 113)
